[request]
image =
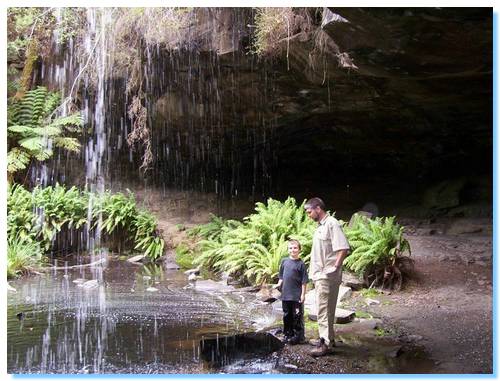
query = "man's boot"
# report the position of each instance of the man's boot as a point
(317, 342)
(321, 350)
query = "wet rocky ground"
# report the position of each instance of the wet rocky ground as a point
(441, 322)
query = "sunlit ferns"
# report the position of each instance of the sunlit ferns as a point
(253, 249)
(32, 125)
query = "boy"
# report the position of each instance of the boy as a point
(292, 280)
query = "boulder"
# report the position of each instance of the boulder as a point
(352, 280)
(90, 284)
(344, 293)
(372, 302)
(209, 285)
(469, 226)
(169, 262)
(359, 213)
(268, 294)
(310, 301)
(342, 316)
(136, 258)
(195, 271)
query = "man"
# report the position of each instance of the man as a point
(328, 251)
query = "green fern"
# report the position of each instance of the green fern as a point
(30, 126)
(39, 216)
(254, 248)
(377, 247)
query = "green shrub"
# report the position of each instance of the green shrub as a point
(184, 256)
(35, 218)
(254, 248)
(23, 255)
(378, 251)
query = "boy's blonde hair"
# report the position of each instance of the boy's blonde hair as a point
(295, 241)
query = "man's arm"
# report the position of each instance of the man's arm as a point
(341, 254)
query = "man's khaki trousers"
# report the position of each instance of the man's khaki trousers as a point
(327, 291)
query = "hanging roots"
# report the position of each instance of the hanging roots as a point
(140, 133)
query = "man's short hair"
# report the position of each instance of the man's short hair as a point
(315, 202)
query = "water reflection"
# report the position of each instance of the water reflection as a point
(70, 321)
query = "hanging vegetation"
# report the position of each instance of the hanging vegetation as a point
(275, 26)
(379, 252)
(34, 219)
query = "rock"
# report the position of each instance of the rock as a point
(290, 366)
(359, 213)
(344, 293)
(268, 294)
(136, 258)
(343, 316)
(310, 301)
(443, 195)
(468, 226)
(151, 289)
(371, 208)
(169, 262)
(352, 280)
(171, 265)
(413, 338)
(212, 286)
(372, 302)
(79, 281)
(10, 288)
(195, 271)
(248, 289)
(89, 284)
(394, 352)
(371, 324)
(277, 306)
(193, 277)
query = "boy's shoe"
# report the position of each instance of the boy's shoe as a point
(286, 339)
(296, 340)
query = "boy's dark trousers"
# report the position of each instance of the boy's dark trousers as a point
(293, 319)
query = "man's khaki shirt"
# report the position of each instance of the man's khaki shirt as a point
(328, 239)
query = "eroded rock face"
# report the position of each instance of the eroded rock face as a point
(380, 95)
(417, 105)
